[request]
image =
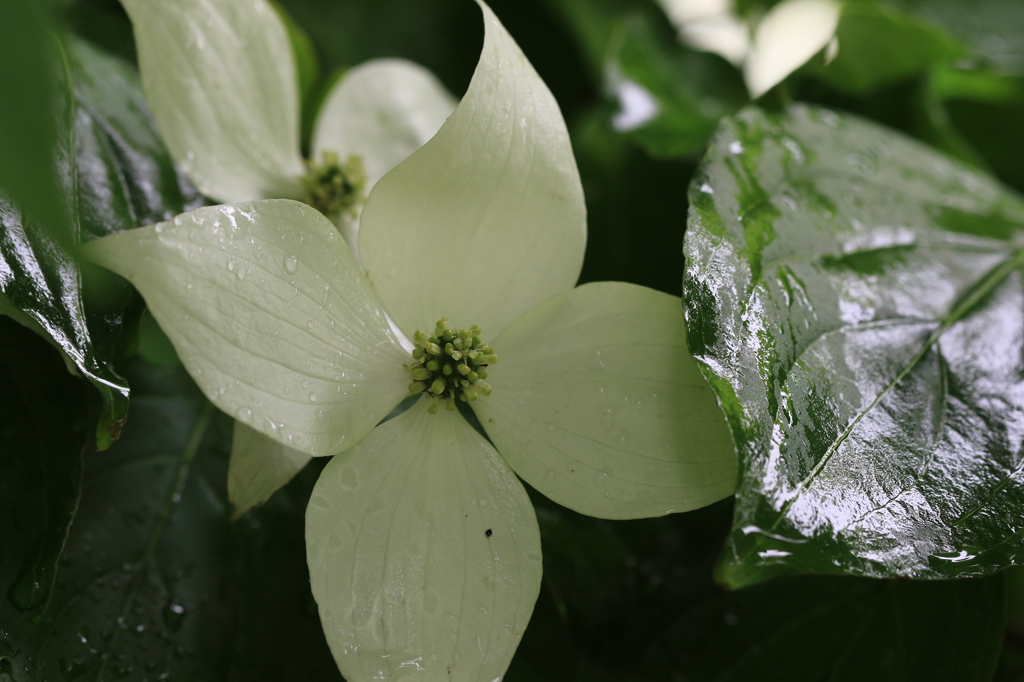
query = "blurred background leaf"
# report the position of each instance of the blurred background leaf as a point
(31, 78)
(993, 28)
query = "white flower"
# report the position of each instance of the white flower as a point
(221, 79)
(788, 35)
(423, 546)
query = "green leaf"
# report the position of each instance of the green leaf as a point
(424, 553)
(115, 175)
(31, 78)
(846, 630)
(993, 28)
(993, 126)
(667, 98)
(126, 177)
(856, 302)
(597, 405)
(155, 581)
(44, 429)
(879, 45)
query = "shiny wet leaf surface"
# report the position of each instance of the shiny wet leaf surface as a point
(856, 301)
(115, 175)
(155, 582)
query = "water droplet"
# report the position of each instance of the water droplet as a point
(291, 263)
(312, 397)
(571, 467)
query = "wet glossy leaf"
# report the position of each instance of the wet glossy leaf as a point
(857, 302)
(841, 630)
(156, 582)
(114, 175)
(44, 428)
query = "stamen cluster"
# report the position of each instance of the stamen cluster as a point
(333, 187)
(450, 365)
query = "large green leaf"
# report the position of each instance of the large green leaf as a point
(115, 175)
(43, 431)
(155, 581)
(856, 301)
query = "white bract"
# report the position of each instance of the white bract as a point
(221, 80)
(788, 35)
(423, 546)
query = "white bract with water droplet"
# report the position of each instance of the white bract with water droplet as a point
(221, 80)
(768, 50)
(423, 547)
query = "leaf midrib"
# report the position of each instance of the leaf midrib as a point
(986, 285)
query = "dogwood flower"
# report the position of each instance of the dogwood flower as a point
(768, 50)
(423, 546)
(222, 81)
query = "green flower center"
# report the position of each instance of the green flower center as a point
(335, 188)
(450, 365)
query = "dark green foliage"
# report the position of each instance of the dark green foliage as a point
(855, 299)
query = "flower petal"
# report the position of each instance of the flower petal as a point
(789, 34)
(221, 80)
(259, 466)
(598, 405)
(424, 553)
(726, 35)
(383, 110)
(271, 317)
(487, 219)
